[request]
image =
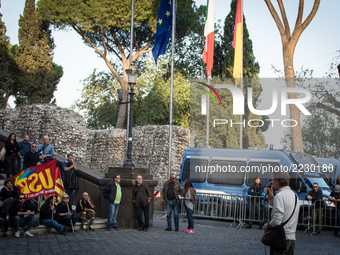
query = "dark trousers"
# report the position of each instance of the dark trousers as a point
(172, 205)
(290, 247)
(4, 223)
(254, 209)
(11, 165)
(337, 230)
(140, 209)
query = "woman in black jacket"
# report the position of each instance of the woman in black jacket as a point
(12, 156)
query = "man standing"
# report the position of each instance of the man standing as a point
(24, 147)
(142, 198)
(45, 150)
(314, 195)
(69, 176)
(21, 215)
(171, 191)
(113, 192)
(255, 190)
(335, 197)
(85, 209)
(285, 206)
(31, 157)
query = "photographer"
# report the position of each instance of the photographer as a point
(69, 176)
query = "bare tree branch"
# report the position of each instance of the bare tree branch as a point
(284, 17)
(327, 108)
(276, 18)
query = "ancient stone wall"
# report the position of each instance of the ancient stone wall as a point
(98, 149)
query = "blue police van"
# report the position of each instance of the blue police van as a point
(233, 171)
(333, 164)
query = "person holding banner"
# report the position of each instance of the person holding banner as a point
(67, 216)
(21, 215)
(49, 216)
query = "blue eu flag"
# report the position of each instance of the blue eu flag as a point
(164, 28)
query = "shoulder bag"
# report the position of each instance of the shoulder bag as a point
(276, 237)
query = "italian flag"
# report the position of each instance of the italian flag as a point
(238, 41)
(208, 53)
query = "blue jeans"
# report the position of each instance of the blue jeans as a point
(52, 223)
(172, 205)
(71, 193)
(66, 220)
(190, 218)
(27, 221)
(113, 211)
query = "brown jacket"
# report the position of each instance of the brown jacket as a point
(144, 194)
(177, 189)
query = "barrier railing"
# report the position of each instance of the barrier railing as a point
(249, 209)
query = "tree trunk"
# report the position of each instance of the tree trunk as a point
(288, 54)
(122, 107)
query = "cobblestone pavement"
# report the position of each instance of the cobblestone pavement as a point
(211, 237)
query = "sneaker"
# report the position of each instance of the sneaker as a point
(191, 231)
(115, 227)
(108, 228)
(91, 228)
(83, 227)
(177, 229)
(27, 233)
(17, 234)
(168, 229)
(186, 230)
(145, 229)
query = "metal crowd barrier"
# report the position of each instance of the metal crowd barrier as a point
(250, 209)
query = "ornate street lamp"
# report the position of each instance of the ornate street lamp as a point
(132, 73)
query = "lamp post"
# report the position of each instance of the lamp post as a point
(132, 78)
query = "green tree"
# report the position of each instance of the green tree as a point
(7, 67)
(99, 100)
(36, 79)
(105, 26)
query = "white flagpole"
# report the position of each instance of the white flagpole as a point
(241, 127)
(172, 81)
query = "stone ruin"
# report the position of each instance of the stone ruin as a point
(98, 149)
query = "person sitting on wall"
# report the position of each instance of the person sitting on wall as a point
(8, 193)
(66, 215)
(4, 222)
(45, 150)
(21, 214)
(85, 209)
(49, 215)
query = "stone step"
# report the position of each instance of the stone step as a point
(98, 223)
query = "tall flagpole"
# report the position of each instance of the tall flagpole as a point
(172, 81)
(241, 127)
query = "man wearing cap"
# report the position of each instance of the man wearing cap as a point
(113, 192)
(335, 197)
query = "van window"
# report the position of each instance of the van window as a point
(226, 172)
(294, 182)
(262, 170)
(195, 170)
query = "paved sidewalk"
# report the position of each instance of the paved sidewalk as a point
(211, 237)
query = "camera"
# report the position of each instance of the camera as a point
(270, 184)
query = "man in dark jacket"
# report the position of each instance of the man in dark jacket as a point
(255, 190)
(171, 191)
(31, 157)
(69, 176)
(314, 195)
(21, 214)
(142, 198)
(113, 192)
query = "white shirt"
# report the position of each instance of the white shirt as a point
(283, 206)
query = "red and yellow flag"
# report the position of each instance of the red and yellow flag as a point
(238, 41)
(208, 53)
(40, 180)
